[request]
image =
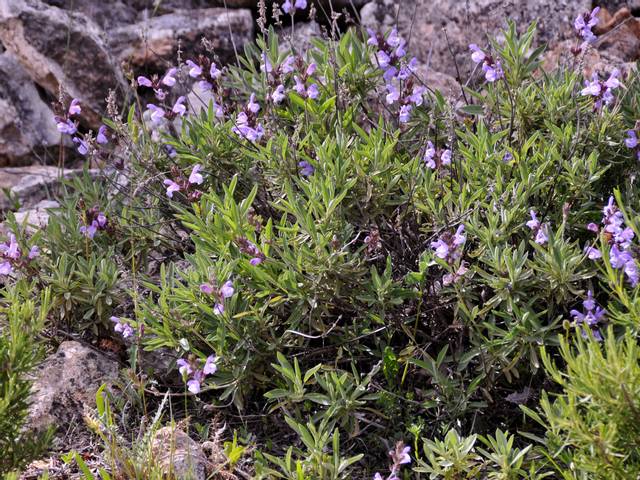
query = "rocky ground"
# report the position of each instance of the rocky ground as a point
(91, 48)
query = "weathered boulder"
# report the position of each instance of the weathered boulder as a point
(154, 43)
(178, 455)
(29, 185)
(423, 23)
(105, 13)
(619, 34)
(61, 50)
(35, 218)
(66, 382)
(27, 125)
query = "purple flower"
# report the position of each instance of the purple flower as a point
(602, 91)
(184, 367)
(477, 54)
(311, 69)
(101, 219)
(90, 230)
(373, 38)
(288, 65)
(384, 60)
(287, 7)
(312, 91)
(195, 177)
(266, 63)
(407, 69)
(492, 72)
(434, 159)
(590, 317)
(227, 290)
(592, 253)
(169, 78)
(584, 23)
(255, 261)
(218, 309)
(74, 108)
(389, 74)
(12, 249)
(195, 70)
(253, 106)
(592, 227)
(632, 139)
(66, 126)
(214, 71)
(157, 113)
(306, 169)
(429, 155)
(171, 187)
(160, 93)
(405, 113)
(5, 268)
(196, 376)
(448, 246)
(300, 87)
(394, 40)
(101, 138)
(539, 229)
(179, 108)
(417, 95)
(278, 94)
(394, 94)
(206, 288)
(445, 157)
(82, 146)
(33, 252)
(122, 328)
(144, 81)
(534, 223)
(210, 366)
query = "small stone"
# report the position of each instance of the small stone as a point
(178, 455)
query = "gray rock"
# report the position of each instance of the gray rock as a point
(105, 13)
(29, 185)
(178, 455)
(26, 121)
(61, 50)
(421, 23)
(36, 218)
(154, 43)
(66, 382)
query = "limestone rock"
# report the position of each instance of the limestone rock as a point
(29, 185)
(36, 218)
(61, 49)
(179, 456)
(154, 43)
(27, 125)
(66, 382)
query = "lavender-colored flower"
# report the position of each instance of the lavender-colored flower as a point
(266, 63)
(227, 290)
(602, 91)
(406, 70)
(210, 366)
(122, 328)
(477, 55)
(179, 108)
(195, 177)
(278, 94)
(33, 252)
(218, 308)
(172, 187)
(214, 71)
(300, 87)
(253, 106)
(389, 74)
(445, 157)
(311, 69)
(288, 7)
(492, 72)
(195, 70)
(206, 288)
(90, 230)
(66, 126)
(584, 23)
(434, 159)
(539, 229)
(590, 317)
(101, 219)
(394, 94)
(632, 139)
(169, 78)
(592, 253)
(417, 95)
(394, 40)
(592, 227)
(157, 113)
(306, 169)
(82, 146)
(405, 113)
(184, 367)
(312, 91)
(101, 138)
(377, 476)
(448, 246)
(74, 108)
(384, 60)
(144, 81)
(6, 268)
(160, 93)
(255, 261)
(12, 250)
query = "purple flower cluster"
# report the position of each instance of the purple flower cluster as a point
(436, 158)
(67, 126)
(123, 328)
(399, 456)
(180, 183)
(619, 237)
(491, 67)
(190, 369)
(449, 246)
(93, 220)
(247, 121)
(249, 248)
(602, 91)
(633, 142)
(288, 7)
(159, 85)
(12, 258)
(390, 57)
(292, 69)
(306, 169)
(221, 294)
(539, 229)
(590, 317)
(583, 25)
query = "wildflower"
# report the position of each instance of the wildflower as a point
(172, 187)
(169, 78)
(492, 68)
(33, 252)
(417, 95)
(405, 113)
(590, 317)
(539, 229)
(12, 249)
(477, 54)
(288, 7)
(195, 70)
(195, 177)
(101, 138)
(179, 108)
(311, 69)
(66, 126)
(584, 23)
(266, 65)
(214, 71)
(74, 108)
(306, 169)
(602, 91)
(434, 159)
(448, 246)
(6, 268)
(122, 328)
(592, 253)
(83, 147)
(224, 292)
(393, 95)
(248, 248)
(144, 81)
(157, 113)
(188, 368)
(288, 65)
(278, 94)
(632, 139)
